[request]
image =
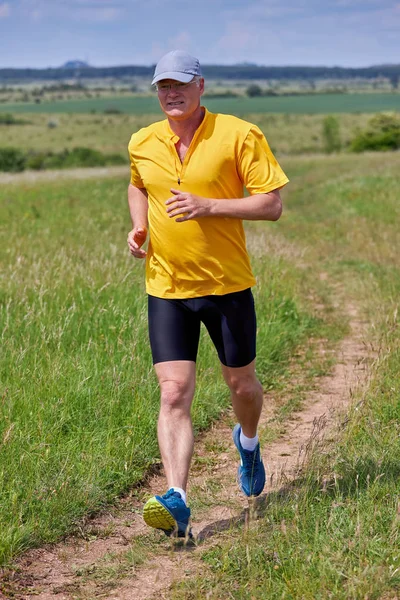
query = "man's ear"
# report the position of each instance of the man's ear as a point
(201, 85)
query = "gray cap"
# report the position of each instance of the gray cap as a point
(177, 65)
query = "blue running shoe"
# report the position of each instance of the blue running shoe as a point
(251, 472)
(169, 513)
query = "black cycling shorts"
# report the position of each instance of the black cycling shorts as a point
(174, 327)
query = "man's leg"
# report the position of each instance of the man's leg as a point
(247, 396)
(175, 437)
(231, 322)
(175, 433)
(174, 331)
(247, 400)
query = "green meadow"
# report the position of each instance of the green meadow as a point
(79, 399)
(288, 134)
(293, 125)
(335, 531)
(296, 104)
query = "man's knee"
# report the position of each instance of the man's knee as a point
(176, 394)
(245, 389)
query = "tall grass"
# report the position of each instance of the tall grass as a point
(286, 133)
(79, 400)
(334, 533)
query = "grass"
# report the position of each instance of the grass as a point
(287, 134)
(79, 400)
(334, 533)
(307, 104)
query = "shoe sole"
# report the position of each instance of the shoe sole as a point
(157, 516)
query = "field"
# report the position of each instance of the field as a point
(79, 398)
(303, 104)
(287, 134)
(334, 533)
(293, 125)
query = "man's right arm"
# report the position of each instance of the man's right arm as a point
(138, 208)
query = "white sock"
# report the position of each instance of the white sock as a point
(248, 443)
(181, 492)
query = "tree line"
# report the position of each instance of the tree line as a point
(245, 71)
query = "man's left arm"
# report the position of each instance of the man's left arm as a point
(258, 207)
(258, 171)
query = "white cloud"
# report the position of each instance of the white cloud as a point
(181, 41)
(295, 32)
(237, 37)
(99, 13)
(356, 32)
(81, 10)
(5, 10)
(273, 10)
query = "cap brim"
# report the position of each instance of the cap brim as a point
(182, 77)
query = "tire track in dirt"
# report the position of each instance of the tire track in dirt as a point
(95, 565)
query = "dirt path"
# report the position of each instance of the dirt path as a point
(118, 557)
(56, 174)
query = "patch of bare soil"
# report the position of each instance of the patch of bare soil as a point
(118, 557)
(57, 174)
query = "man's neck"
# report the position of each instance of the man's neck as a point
(186, 128)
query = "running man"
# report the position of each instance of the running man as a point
(188, 174)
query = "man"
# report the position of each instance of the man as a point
(187, 178)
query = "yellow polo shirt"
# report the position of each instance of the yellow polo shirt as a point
(207, 255)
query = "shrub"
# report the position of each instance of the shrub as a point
(9, 119)
(331, 134)
(386, 122)
(394, 81)
(84, 157)
(35, 161)
(221, 94)
(382, 133)
(254, 90)
(115, 159)
(12, 160)
(112, 110)
(52, 160)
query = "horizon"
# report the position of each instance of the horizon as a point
(216, 64)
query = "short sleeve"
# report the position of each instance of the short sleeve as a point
(136, 180)
(257, 166)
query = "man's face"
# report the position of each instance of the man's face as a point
(179, 101)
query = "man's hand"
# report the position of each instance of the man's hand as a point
(187, 205)
(136, 239)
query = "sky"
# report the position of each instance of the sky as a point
(349, 33)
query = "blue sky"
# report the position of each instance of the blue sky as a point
(42, 33)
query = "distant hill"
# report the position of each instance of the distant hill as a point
(80, 69)
(75, 64)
